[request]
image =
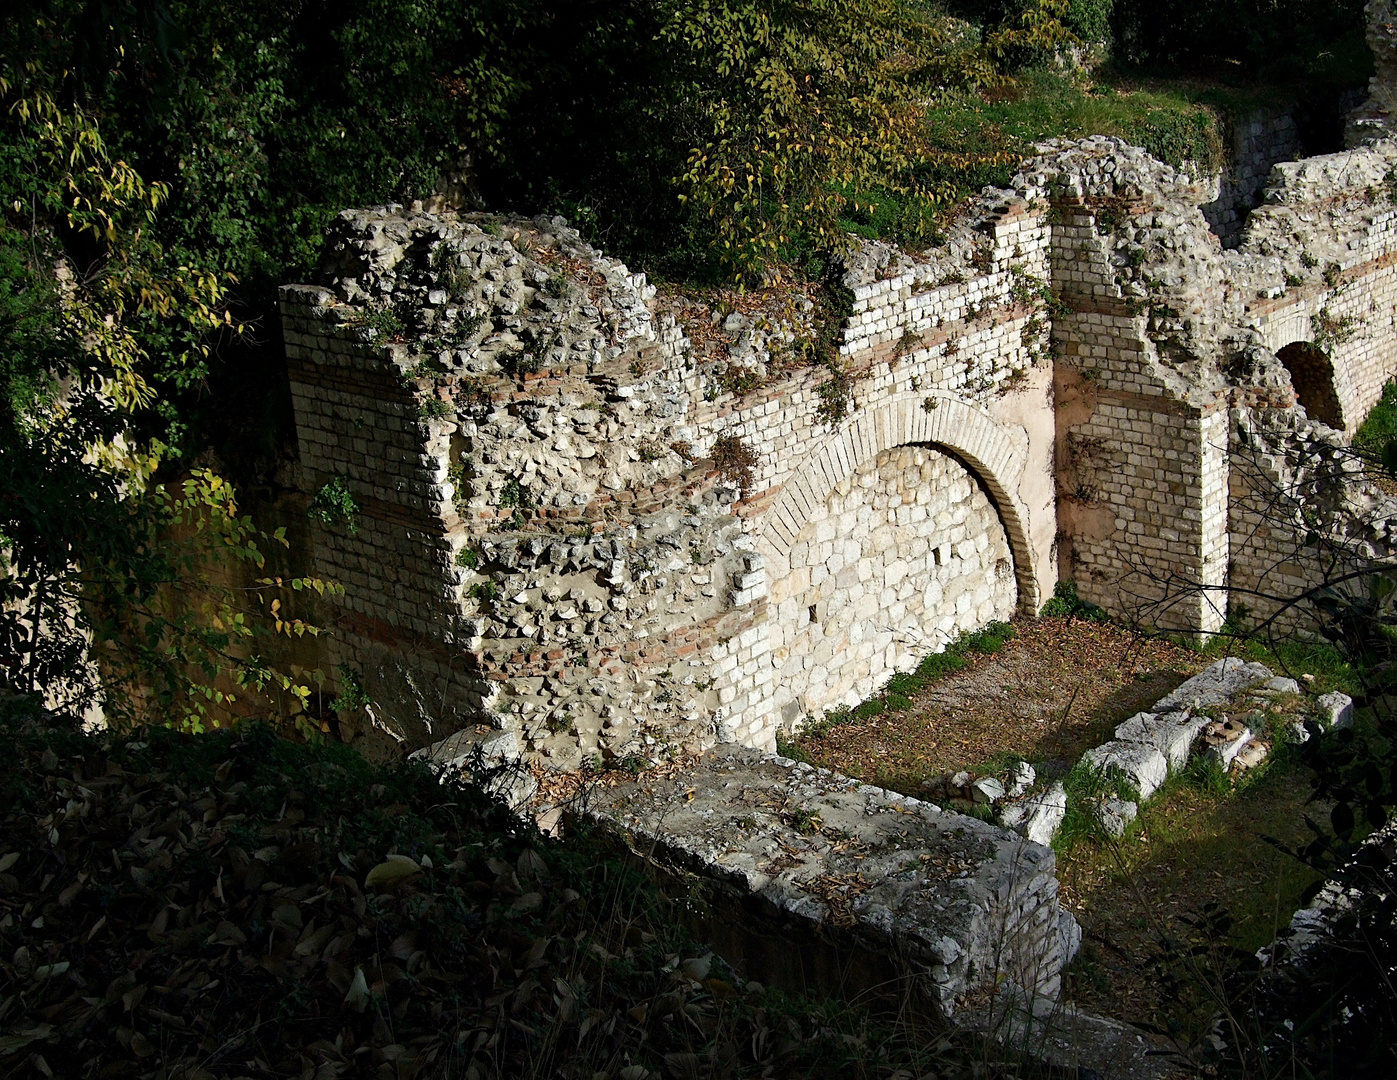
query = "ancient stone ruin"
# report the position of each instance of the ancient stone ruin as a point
(625, 527)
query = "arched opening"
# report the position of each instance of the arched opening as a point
(1312, 375)
(904, 553)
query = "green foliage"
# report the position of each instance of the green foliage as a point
(111, 562)
(1376, 437)
(1280, 40)
(974, 141)
(1086, 786)
(1066, 604)
(334, 504)
(836, 395)
(351, 695)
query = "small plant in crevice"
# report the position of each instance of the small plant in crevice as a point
(334, 504)
(738, 380)
(384, 322)
(735, 460)
(434, 408)
(468, 558)
(486, 594)
(836, 395)
(1330, 330)
(351, 695)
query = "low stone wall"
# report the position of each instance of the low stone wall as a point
(817, 883)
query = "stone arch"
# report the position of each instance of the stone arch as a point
(970, 434)
(1312, 374)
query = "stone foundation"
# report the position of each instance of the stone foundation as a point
(816, 883)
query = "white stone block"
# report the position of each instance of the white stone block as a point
(1143, 766)
(1171, 734)
(1038, 817)
(1335, 710)
(1214, 684)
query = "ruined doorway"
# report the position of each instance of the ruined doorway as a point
(1312, 375)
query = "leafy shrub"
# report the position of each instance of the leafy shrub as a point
(334, 504)
(1066, 604)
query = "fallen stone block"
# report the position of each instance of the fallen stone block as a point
(987, 790)
(1115, 815)
(1172, 734)
(1214, 684)
(1144, 766)
(1334, 710)
(1021, 778)
(1038, 817)
(485, 757)
(1252, 754)
(1281, 685)
(822, 883)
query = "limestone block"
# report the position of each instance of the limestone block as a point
(1335, 710)
(1224, 739)
(987, 790)
(1114, 815)
(1282, 685)
(485, 757)
(1038, 817)
(1171, 734)
(1143, 766)
(1214, 684)
(961, 903)
(1021, 778)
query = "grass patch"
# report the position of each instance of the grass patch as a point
(1086, 785)
(1293, 658)
(1380, 426)
(974, 139)
(1198, 841)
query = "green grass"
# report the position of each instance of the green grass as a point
(1381, 425)
(972, 142)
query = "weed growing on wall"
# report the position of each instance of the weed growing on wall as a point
(334, 504)
(735, 459)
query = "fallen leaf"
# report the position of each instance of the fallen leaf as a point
(392, 871)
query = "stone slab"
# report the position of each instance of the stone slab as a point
(1144, 766)
(486, 757)
(1215, 684)
(1335, 710)
(816, 881)
(1037, 817)
(1172, 734)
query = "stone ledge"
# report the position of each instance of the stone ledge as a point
(817, 881)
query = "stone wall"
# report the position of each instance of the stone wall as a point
(906, 553)
(1258, 142)
(615, 526)
(545, 540)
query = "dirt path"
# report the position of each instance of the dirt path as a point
(1057, 689)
